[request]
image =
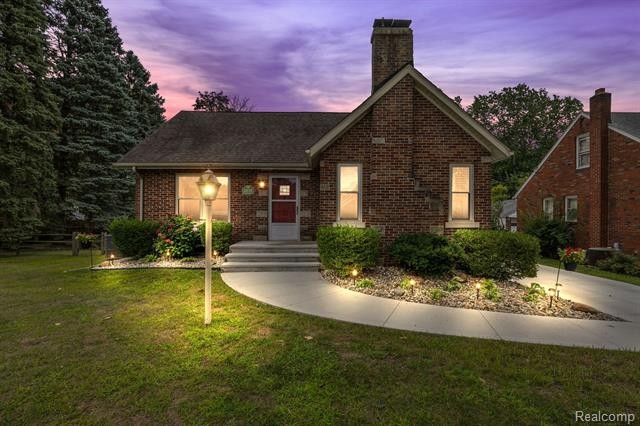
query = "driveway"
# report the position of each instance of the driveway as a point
(613, 297)
(309, 293)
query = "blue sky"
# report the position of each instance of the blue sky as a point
(315, 55)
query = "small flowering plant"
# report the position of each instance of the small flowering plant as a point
(572, 255)
(86, 240)
(176, 238)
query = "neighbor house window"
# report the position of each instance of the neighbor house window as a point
(188, 202)
(461, 202)
(571, 208)
(349, 191)
(583, 157)
(547, 207)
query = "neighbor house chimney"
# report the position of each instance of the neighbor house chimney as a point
(391, 48)
(600, 117)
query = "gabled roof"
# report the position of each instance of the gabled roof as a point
(497, 149)
(625, 123)
(232, 139)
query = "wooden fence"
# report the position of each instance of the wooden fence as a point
(57, 241)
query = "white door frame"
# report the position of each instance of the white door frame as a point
(297, 201)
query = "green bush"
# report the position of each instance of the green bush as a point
(364, 283)
(407, 283)
(452, 285)
(220, 236)
(621, 263)
(496, 254)
(436, 293)
(490, 290)
(132, 237)
(177, 238)
(344, 247)
(426, 254)
(552, 234)
(534, 292)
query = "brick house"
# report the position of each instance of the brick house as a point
(407, 159)
(590, 177)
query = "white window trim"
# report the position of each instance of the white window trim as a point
(544, 201)
(458, 223)
(177, 197)
(355, 222)
(566, 207)
(578, 167)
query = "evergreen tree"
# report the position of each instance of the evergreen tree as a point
(148, 102)
(99, 116)
(29, 118)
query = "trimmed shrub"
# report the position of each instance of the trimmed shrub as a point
(132, 237)
(220, 236)
(177, 238)
(496, 254)
(426, 254)
(621, 263)
(552, 234)
(344, 247)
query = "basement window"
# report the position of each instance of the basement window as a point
(188, 202)
(583, 157)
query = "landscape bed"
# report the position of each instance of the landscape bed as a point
(130, 263)
(388, 282)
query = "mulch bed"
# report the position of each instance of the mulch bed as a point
(386, 283)
(130, 263)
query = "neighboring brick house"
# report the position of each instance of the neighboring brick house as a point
(407, 159)
(590, 177)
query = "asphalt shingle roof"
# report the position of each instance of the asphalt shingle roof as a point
(628, 122)
(233, 137)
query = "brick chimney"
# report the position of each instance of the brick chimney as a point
(600, 117)
(391, 48)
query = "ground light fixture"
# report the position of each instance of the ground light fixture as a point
(354, 274)
(208, 185)
(477, 291)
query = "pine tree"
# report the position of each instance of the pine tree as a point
(148, 102)
(29, 119)
(99, 117)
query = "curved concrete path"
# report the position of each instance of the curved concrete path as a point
(309, 293)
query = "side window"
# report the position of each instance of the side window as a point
(583, 157)
(461, 193)
(571, 208)
(547, 207)
(349, 191)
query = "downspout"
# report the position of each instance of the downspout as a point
(141, 194)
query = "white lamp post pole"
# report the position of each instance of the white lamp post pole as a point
(207, 264)
(208, 186)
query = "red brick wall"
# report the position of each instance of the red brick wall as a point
(420, 142)
(248, 212)
(624, 193)
(559, 178)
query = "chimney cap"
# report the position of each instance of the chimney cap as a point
(600, 91)
(391, 23)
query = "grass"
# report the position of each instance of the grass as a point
(596, 272)
(114, 347)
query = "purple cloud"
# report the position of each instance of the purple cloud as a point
(315, 55)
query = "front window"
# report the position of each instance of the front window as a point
(349, 191)
(460, 204)
(547, 207)
(189, 202)
(571, 209)
(583, 156)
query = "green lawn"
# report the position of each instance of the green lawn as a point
(115, 347)
(590, 270)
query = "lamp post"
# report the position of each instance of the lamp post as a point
(208, 186)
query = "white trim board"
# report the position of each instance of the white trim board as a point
(432, 93)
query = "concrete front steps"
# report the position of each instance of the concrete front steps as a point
(252, 256)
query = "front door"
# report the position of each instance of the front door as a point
(283, 208)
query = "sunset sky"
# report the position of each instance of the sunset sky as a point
(315, 55)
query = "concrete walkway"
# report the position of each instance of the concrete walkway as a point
(309, 293)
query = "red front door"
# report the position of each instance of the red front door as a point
(283, 195)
